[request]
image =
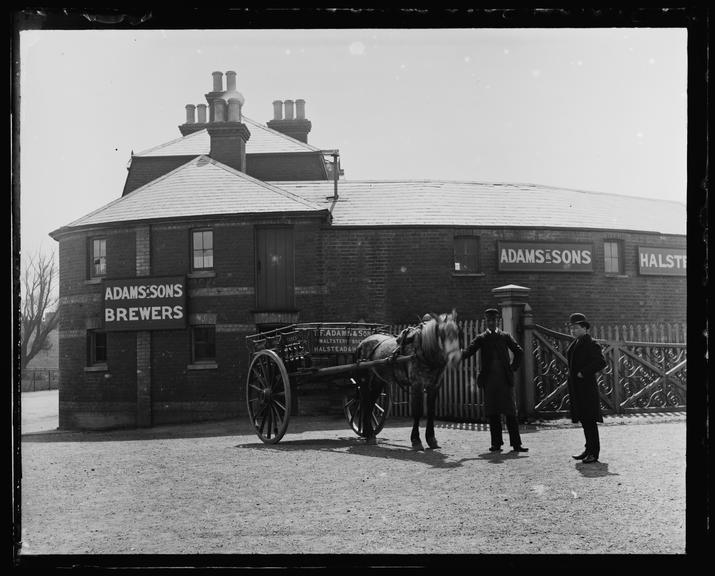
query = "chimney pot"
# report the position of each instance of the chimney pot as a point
(234, 110)
(278, 110)
(202, 113)
(218, 81)
(190, 109)
(219, 110)
(289, 109)
(300, 109)
(230, 81)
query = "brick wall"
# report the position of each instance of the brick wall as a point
(341, 274)
(395, 275)
(156, 367)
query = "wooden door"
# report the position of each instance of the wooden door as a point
(274, 269)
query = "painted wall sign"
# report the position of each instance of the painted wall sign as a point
(145, 303)
(545, 256)
(662, 261)
(339, 340)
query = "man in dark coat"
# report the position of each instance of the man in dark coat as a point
(497, 380)
(585, 358)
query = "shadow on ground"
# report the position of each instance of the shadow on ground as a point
(384, 449)
(239, 426)
(595, 470)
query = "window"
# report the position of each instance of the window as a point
(613, 256)
(202, 249)
(203, 343)
(98, 258)
(96, 347)
(466, 254)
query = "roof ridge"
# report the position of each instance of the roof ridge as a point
(483, 183)
(263, 184)
(133, 192)
(165, 144)
(267, 128)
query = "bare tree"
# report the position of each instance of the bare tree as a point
(40, 310)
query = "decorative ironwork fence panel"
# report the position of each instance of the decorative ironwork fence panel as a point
(639, 377)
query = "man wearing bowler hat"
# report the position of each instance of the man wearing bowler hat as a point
(497, 380)
(585, 358)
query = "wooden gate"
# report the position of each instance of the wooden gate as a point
(641, 376)
(459, 398)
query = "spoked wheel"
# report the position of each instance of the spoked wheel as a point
(380, 411)
(268, 396)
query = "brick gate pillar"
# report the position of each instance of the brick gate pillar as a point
(512, 300)
(143, 268)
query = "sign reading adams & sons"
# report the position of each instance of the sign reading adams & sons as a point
(662, 261)
(545, 256)
(145, 303)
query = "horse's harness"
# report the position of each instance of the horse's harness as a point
(410, 335)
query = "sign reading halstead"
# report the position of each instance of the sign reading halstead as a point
(662, 261)
(545, 256)
(145, 303)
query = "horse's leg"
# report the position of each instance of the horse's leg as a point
(416, 415)
(429, 432)
(367, 402)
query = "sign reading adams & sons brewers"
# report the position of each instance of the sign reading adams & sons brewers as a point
(545, 256)
(662, 261)
(145, 303)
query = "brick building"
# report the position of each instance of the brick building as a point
(238, 226)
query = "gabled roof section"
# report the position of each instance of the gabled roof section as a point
(263, 140)
(201, 187)
(466, 204)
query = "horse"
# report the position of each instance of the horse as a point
(434, 345)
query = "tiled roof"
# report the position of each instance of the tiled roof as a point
(263, 140)
(397, 203)
(200, 187)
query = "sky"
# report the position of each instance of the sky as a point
(602, 110)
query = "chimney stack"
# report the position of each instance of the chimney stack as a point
(296, 127)
(190, 109)
(234, 110)
(227, 134)
(230, 81)
(219, 110)
(218, 81)
(201, 108)
(288, 109)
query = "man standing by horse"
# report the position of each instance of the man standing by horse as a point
(497, 380)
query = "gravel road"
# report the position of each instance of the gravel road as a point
(215, 488)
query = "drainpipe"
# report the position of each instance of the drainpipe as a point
(336, 170)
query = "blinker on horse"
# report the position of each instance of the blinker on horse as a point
(434, 346)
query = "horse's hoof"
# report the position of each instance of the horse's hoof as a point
(371, 441)
(432, 443)
(418, 447)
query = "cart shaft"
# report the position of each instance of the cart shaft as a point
(358, 366)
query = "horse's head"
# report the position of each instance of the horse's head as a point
(442, 333)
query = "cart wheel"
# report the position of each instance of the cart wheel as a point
(380, 410)
(268, 396)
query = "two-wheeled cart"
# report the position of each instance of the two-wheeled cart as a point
(284, 359)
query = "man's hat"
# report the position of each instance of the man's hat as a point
(577, 318)
(491, 312)
(426, 317)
